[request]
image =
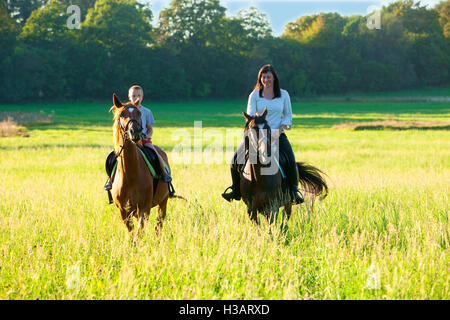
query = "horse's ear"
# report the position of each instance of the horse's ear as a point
(246, 116)
(264, 114)
(116, 101)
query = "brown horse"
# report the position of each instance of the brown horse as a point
(264, 191)
(133, 186)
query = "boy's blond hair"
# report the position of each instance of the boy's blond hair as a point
(138, 88)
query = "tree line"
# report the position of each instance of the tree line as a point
(197, 51)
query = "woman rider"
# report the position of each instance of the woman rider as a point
(267, 94)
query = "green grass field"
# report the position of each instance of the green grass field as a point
(382, 233)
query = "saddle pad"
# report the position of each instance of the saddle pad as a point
(151, 158)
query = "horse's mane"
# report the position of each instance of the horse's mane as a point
(116, 130)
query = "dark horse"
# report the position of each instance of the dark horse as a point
(263, 189)
(133, 190)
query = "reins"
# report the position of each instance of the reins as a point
(247, 144)
(125, 132)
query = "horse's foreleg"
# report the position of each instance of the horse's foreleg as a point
(141, 222)
(253, 214)
(127, 219)
(287, 211)
(272, 215)
(162, 209)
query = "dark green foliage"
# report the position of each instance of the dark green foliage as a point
(198, 52)
(20, 10)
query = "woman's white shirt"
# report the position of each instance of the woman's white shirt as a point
(279, 110)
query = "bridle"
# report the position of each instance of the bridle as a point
(258, 130)
(124, 131)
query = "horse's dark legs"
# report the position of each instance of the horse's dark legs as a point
(287, 211)
(162, 208)
(253, 214)
(272, 214)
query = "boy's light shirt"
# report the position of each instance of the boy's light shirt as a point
(147, 119)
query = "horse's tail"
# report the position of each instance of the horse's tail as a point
(312, 180)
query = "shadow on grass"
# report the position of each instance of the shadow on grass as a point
(380, 127)
(227, 113)
(53, 146)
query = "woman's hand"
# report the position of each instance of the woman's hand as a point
(286, 127)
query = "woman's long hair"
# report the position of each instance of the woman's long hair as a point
(276, 83)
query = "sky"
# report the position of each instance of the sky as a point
(284, 11)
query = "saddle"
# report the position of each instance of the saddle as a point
(150, 157)
(153, 164)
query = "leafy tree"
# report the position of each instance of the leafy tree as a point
(443, 9)
(118, 24)
(84, 5)
(9, 29)
(318, 30)
(255, 23)
(191, 20)
(20, 10)
(201, 53)
(47, 24)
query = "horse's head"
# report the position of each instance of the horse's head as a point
(128, 118)
(258, 136)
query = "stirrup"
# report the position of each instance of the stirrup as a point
(297, 196)
(230, 187)
(108, 185)
(230, 195)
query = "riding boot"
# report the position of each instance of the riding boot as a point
(291, 168)
(235, 192)
(296, 198)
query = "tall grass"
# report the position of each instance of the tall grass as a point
(382, 233)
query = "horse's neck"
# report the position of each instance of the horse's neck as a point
(262, 179)
(129, 160)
